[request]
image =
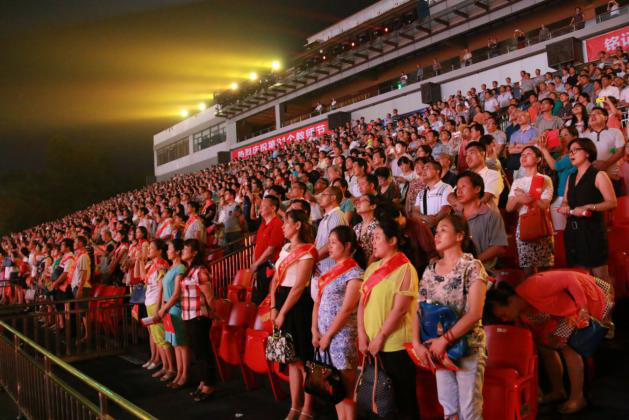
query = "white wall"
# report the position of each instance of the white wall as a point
(403, 104)
(192, 159)
(499, 73)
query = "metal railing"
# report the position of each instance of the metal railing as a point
(32, 377)
(224, 269)
(84, 328)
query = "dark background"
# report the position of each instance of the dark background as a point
(85, 84)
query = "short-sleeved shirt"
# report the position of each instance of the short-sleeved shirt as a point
(542, 124)
(499, 136)
(290, 276)
(228, 217)
(524, 183)
(607, 142)
(564, 168)
(269, 234)
(193, 303)
(380, 304)
(82, 265)
(452, 289)
(487, 229)
(436, 198)
(493, 182)
(523, 137)
(332, 219)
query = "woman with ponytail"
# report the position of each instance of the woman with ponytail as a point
(459, 281)
(334, 326)
(386, 309)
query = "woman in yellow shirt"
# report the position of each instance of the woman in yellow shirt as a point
(385, 314)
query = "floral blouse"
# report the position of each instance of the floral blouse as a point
(414, 188)
(452, 290)
(365, 240)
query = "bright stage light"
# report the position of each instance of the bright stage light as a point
(233, 86)
(275, 65)
(184, 113)
(202, 106)
(253, 75)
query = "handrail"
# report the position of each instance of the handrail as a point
(98, 387)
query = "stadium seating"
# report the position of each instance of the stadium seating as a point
(511, 374)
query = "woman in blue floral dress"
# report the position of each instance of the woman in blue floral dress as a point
(334, 323)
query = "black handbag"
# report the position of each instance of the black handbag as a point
(374, 389)
(323, 379)
(138, 294)
(585, 340)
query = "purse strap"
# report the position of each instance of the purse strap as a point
(374, 403)
(360, 375)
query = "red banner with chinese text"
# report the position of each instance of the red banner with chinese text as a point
(607, 42)
(299, 134)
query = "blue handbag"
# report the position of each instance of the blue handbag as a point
(585, 340)
(138, 294)
(436, 319)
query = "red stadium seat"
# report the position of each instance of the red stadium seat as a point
(560, 251)
(617, 238)
(510, 258)
(231, 348)
(621, 212)
(427, 399)
(254, 361)
(241, 288)
(222, 310)
(510, 390)
(619, 272)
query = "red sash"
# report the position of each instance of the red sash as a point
(383, 271)
(264, 309)
(189, 223)
(334, 273)
(160, 264)
(537, 187)
(165, 224)
(293, 257)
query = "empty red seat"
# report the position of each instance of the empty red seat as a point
(619, 273)
(510, 390)
(617, 236)
(254, 361)
(222, 309)
(621, 212)
(560, 250)
(231, 348)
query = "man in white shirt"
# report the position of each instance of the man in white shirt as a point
(431, 204)
(491, 103)
(491, 128)
(475, 155)
(609, 142)
(329, 200)
(608, 89)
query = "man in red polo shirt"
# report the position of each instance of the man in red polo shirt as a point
(269, 242)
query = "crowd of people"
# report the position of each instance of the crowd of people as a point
(359, 230)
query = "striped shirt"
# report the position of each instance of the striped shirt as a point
(332, 219)
(193, 304)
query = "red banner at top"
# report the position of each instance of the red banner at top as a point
(300, 134)
(607, 42)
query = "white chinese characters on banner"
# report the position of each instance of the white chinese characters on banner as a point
(272, 143)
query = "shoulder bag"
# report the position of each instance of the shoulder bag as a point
(374, 389)
(323, 379)
(436, 320)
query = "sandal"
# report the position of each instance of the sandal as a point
(202, 396)
(168, 376)
(295, 410)
(308, 415)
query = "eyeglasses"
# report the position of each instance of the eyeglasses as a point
(575, 150)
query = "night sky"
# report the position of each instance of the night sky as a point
(86, 83)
